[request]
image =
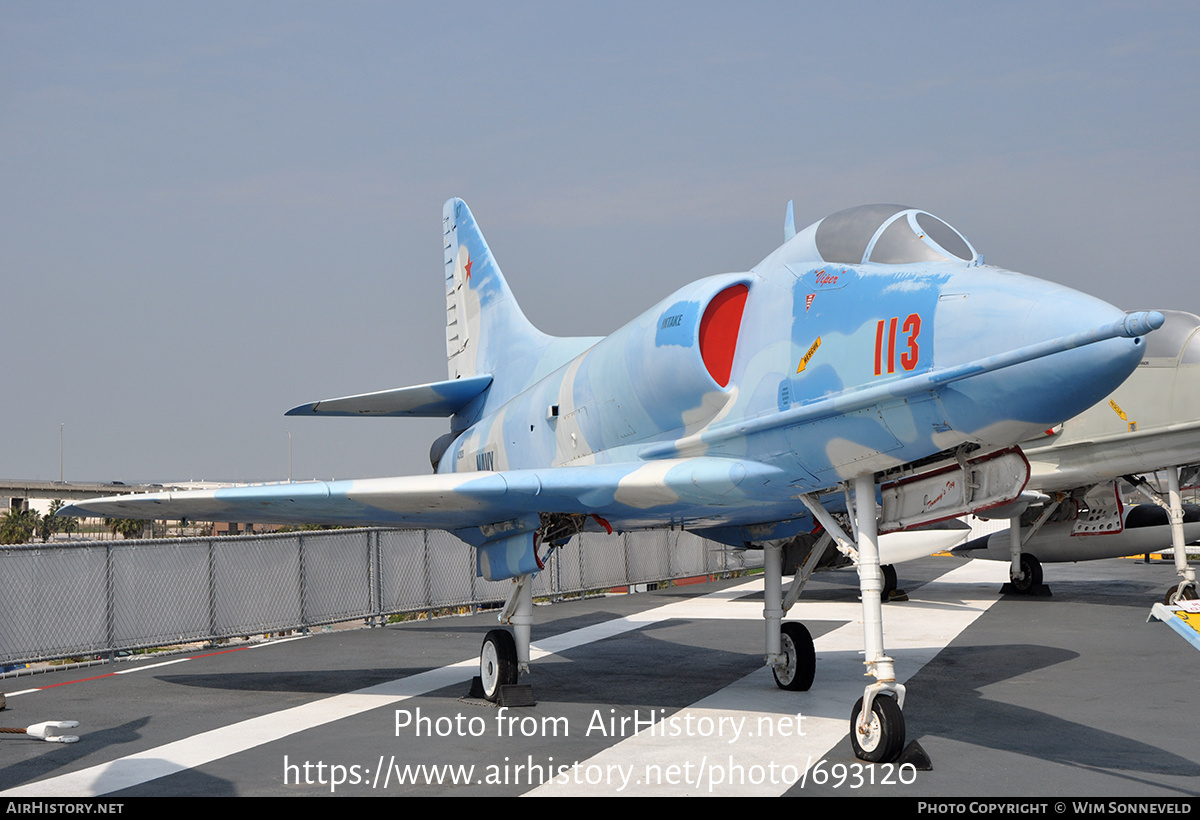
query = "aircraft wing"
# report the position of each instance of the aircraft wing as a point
(628, 496)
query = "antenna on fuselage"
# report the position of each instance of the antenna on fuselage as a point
(789, 223)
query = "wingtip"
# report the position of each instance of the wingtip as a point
(309, 409)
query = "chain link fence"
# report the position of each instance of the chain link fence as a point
(89, 599)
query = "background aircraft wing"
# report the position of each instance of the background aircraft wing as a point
(642, 494)
(1073, 464)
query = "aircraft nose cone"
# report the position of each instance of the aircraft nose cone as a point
(1011, 312)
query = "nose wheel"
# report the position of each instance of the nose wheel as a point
(880, 739)
(497, 662)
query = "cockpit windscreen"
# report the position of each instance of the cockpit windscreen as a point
(890, 235)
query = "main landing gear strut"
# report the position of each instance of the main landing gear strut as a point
(504, 655)
(876, 722)
(790, 652)
(1186, 589)
(1025, 570)
(518, 553)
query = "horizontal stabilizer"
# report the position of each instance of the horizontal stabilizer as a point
(435, 400)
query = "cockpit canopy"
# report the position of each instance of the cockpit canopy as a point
(890, 235)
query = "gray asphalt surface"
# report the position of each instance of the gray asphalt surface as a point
(1074, 694)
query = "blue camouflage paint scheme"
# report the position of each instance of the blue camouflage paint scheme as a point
(435, 400)
(678, 325)
(633, 429)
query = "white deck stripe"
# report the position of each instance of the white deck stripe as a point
(834, 662)
(215, 744)
(757, 765)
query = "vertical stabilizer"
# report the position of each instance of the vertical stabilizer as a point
(486, 332)
(485, 328)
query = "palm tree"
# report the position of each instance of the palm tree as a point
(51, 522)
(125, 527)
(17, 525)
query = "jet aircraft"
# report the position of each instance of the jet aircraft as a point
(1073, 509)
(869, 375)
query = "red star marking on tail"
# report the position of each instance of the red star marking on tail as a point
(467, 268)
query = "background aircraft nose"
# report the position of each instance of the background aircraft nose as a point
(1003, 311)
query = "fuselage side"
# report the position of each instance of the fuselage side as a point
(805, 329)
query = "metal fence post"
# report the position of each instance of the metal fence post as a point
(109, 629)
(556, 575)
(426, 572)
(474, 584)
(212, 590)
(672, 558)
(625, 556)
(375, 562)
(301, 581)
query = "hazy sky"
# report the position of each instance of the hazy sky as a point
(213, 212)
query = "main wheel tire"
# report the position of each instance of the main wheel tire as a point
(889, 581)
(497, 662)
(882, 740)
(801, 664)
(1031, 574)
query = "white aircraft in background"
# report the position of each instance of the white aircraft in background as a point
(1072, 508)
